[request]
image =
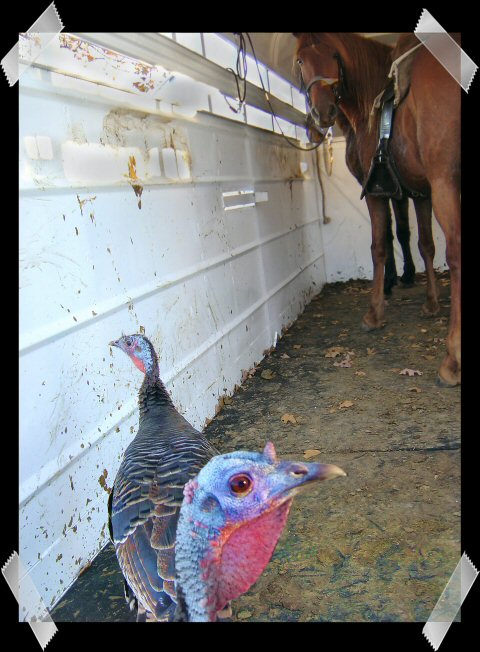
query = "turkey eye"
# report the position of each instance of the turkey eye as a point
(128, 342)
(240, 484)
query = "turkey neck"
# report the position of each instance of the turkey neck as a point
(196, 579)
(153, 396)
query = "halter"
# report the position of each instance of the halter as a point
(337, 84)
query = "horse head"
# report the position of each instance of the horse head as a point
(321, 73)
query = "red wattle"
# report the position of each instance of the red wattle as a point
(246, 551)
(138, 363)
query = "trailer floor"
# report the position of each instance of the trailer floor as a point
(380, 544)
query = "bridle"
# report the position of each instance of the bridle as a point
(337, 84)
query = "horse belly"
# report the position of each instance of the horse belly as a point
(405, 150)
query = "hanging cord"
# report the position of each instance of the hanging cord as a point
(241, 75)
(326, 220)
(241, 66)
(328, 150)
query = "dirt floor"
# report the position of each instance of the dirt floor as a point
(380, 544)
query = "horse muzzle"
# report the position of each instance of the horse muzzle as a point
(324, 121)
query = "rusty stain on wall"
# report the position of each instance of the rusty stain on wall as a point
(82, 202)
(132, 174)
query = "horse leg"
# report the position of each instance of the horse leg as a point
(400, 209)
(446, 205)
(390, 267)
(378, 209)
(426, 246)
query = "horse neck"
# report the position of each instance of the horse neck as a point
(366, 66)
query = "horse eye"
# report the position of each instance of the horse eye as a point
(240, 484)
(300, 62)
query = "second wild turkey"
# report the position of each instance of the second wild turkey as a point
(232, 516)
(148, 490)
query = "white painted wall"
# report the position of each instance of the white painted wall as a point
(211, 287)
(347, 238)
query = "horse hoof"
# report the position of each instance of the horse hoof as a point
(449, 373)
(371, 327)
(441, 382)
(428, 311)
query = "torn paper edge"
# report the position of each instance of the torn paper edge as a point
(445, 50)
(48, 25)
(36, 614)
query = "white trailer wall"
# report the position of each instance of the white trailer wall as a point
(123, 226)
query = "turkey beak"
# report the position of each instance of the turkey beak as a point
(325, 472)
(114, 343)
(313, 472)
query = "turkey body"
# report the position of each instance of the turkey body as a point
(147, 493)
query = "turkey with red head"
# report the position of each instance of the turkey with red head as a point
(165, 454)
(231, 518)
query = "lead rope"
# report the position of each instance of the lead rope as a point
(241, 56)
(326, 219)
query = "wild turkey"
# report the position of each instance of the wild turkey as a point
(148, 490)
(230, 521)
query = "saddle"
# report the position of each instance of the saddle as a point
(383, 179)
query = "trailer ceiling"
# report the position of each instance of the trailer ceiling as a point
(275, 49)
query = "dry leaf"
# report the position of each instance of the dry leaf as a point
(346, 404)
(411, 372)
(288, 418)
(285, 356)
(360, 373)
(297, 346)
(370, 351)
(415, 389)
(333, 351)
(311, 452)
(346, 362)
(248, 374)
(267, 374)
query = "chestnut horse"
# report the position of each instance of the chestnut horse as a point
(347, 71)
(400, 209)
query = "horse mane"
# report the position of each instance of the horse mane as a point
(366, 65)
